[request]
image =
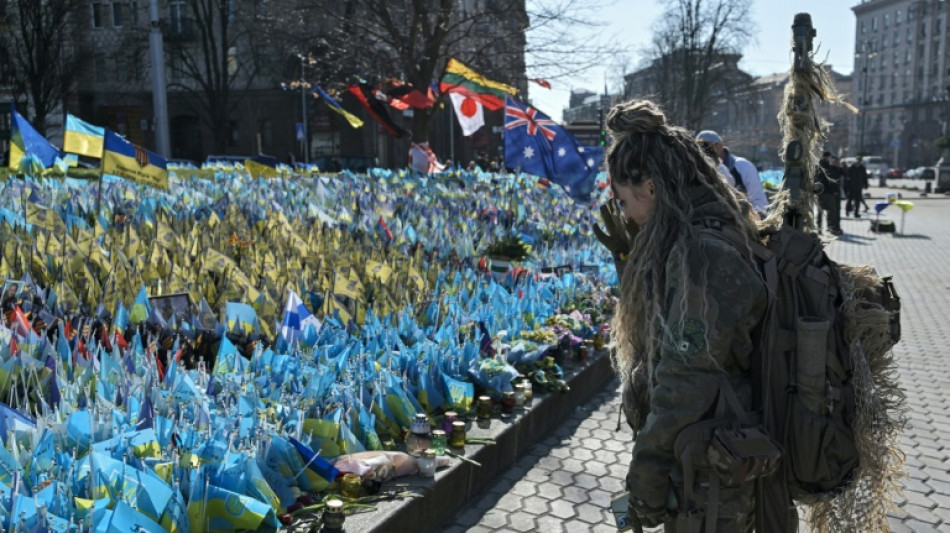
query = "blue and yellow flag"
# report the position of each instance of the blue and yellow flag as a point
(26, 140)
(262, 166)
(82, 137)
(352, 119)
(126, 160)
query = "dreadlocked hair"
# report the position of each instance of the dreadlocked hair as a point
(646, 147)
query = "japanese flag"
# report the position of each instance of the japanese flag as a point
(469, 112)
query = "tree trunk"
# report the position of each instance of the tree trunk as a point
(421, 123)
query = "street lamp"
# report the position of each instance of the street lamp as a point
(865, 50)
(305, 142)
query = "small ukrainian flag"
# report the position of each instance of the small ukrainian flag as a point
(82, 137)
(126, 160)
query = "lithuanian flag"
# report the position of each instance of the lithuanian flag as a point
(459, 78)
(126, 160)
(82, 137)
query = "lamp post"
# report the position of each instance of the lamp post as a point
(305, 142)
(865, 48)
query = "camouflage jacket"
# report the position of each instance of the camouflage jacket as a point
(712, 336)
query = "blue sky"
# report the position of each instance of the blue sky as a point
(629, 22)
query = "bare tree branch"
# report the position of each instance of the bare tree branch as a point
(690, 65)
(42, 54)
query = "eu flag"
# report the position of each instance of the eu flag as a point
(537, 145)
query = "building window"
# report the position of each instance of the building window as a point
(864, 27)
(122, 71)
(175, 67)
(886, 21)
(884, 41)
(177, 11)
(99, 63)
(266, 129)
(118, 14)
(98, 14)
(897, 17)
(937, 26)
(874, 24)
(233, 138)
(897, 57)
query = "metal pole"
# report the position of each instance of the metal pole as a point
(864, 101)
(159, 96)
(305, 144)
(452, 131)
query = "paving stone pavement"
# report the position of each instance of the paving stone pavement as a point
(567, 480)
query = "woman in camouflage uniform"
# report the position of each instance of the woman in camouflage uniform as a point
(689, 303)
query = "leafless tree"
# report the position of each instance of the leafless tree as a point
(413, 39)
(694, 46)
(218, 50)
(42, 53)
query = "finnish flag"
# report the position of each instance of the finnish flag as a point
(296, 319)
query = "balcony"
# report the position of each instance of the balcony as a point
(181, 30)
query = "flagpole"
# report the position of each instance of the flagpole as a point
(102, 166)
(452, 134)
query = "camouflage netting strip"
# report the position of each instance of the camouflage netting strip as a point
(799, 119)
(879, 418)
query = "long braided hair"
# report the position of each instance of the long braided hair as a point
(645, 147)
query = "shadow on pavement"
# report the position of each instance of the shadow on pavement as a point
(912, 236)
(854, 239)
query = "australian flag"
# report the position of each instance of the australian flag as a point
(538, 145)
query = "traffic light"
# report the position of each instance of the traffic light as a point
(603, 129)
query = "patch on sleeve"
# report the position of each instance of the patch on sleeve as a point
(689, 337)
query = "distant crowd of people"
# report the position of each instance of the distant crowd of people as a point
(839, 180)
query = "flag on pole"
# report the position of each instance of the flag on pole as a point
(470, 112)
(126, 160)
(543, 83)
(423, 159)
(82, 137)
(458, 78)
(296, 320)
(366, 95)
(26, 140)
(351, 119)
(538, 145)
(262, 166)
(402, 96)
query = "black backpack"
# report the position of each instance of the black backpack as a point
(814, 386)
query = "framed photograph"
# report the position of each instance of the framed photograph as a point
(172, 305)
(12, 288)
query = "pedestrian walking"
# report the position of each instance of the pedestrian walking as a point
(738, 170)
(829, 175)
(686, 319)
(855, 185)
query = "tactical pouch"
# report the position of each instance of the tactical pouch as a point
(892, 302)
(739, 455)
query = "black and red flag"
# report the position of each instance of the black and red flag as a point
(367, 97)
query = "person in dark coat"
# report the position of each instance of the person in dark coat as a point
(855, 185)
(830, 175)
